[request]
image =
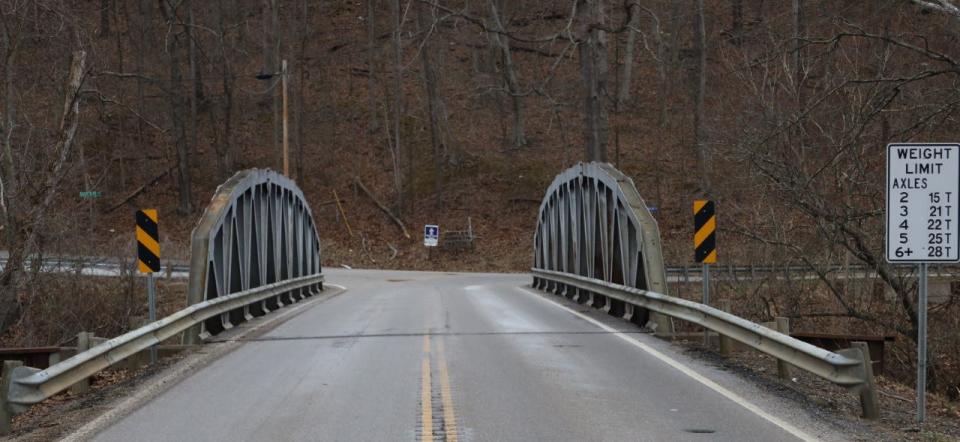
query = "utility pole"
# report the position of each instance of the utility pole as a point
(286, 141)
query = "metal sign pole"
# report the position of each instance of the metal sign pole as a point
(922, 345)
(705, 276)
(152, 301)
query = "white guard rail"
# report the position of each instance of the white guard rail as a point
(849, 368)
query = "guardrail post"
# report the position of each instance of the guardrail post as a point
(83, 344)
(5, 413)
(54, 358)
(783, 368)
(868, 391)
(726, 344)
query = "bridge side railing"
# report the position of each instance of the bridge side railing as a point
(849, 368)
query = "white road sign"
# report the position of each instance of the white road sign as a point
(923, 188)
(431, 235)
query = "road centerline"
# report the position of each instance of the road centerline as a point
(426, 401)
(450, 429)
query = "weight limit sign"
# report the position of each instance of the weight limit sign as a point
(923, 187)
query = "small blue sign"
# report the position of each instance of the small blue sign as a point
(431, 235)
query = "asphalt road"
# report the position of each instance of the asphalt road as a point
(467, 357)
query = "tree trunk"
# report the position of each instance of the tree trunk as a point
(593, 71)
(435, 105)
(797, 33)
(373, 124)
(11, 278)
(662, 83)
(143, 20)
(104, 18)
(736, 22)
(301, 85)
(398, 103)
(194, 75)
(623, 93)
(175, 99)
(703, 154)
(10, 181)
(519, 138)
(271, 63)
(9, 189)
(225, 150)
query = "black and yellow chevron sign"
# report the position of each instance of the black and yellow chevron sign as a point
(148, 241)
(704, 228)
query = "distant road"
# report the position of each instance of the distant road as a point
(466, 357)
(99, 266)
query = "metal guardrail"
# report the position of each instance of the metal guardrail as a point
(747, 272)
(98, 266)
(28, 385)
(849, 368)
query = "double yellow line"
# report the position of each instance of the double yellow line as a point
(450, 433)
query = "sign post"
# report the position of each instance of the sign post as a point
(148, 260)
(705, 245)
(923, 184)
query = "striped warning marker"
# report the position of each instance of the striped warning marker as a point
(148, 241)
(704, 236)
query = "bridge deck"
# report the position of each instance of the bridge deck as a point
(476, 357)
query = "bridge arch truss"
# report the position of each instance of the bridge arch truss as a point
(258, 229)
(593, 223)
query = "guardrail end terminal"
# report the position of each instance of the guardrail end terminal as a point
(6, 414)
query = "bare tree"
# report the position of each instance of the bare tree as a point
(703, 153)
(626, 76)
(176, 102)
(105, 18)
(436, 108)
(224, 147)
(372, 64)
(301, 84)
(827, 178)
(271, 65)
(593, 73)
(24, 209)
(195, 75)
(502, 43)
(396, 149)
